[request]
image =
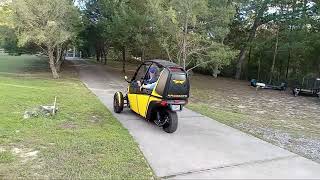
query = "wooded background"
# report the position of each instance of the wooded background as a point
(269, 40)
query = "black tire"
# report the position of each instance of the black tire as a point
(118, 102)
(172, 125)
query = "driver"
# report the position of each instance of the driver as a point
(150, 83)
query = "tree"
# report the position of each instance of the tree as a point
(120, 24)
(273, 39)
(51, 24)
(192, 33)
(281, 48)
(259, 8)
(8, 39)
(8, 36)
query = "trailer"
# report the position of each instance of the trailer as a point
(309, 87)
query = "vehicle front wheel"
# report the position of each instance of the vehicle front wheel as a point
(172, 122)
(118, 102)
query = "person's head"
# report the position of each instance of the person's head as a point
(152, 72)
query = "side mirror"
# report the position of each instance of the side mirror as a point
(127, 79)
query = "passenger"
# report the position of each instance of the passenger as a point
(150, 83)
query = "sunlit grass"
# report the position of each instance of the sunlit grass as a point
(83, 140)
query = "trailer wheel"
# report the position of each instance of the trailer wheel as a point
(172, 122)
(295, 92)
(118, 102)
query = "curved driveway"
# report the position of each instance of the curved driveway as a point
(202, 147)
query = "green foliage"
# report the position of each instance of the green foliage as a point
(51, 25)
(297, 24)
(9, 42)
(8, 39)
(45, 22)
(5, 15)
(195, 34)
(192, 33)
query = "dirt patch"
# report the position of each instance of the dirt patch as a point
(278, 117)
(25, 154)
(239, 96)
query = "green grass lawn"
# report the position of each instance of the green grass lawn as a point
(82, 141)
(22, 64)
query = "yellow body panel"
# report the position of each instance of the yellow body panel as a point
(154, 93)
(139, 103)
(143, 103)
(133, 102)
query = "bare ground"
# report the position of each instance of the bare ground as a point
(278, 117)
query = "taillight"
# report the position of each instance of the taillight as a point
(164, 103)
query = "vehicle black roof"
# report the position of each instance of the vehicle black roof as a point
(164, 63)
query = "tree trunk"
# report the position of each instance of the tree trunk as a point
(274, 57)
(288, 64)
(58, 58)
(123, 59)
(104, 55)
(289, 37)
(242, 57)
(58, 65)
(252, 34)
(184, 45)
(319, 66)
(52, 63)
(248, 63)
(168, 54)
(61, 61)
(280, 70)
(101, 54)
(98, 55)
(259, 67)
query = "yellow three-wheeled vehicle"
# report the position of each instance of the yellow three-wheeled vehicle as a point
(157, 91)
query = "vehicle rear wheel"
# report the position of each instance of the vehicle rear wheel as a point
(118, 102)
(172, 122)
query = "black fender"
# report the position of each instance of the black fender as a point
(154, 106)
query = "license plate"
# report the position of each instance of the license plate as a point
(176, 107)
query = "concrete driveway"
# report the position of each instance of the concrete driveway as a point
(202, 148)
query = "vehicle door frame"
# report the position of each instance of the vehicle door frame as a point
(134, 89)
